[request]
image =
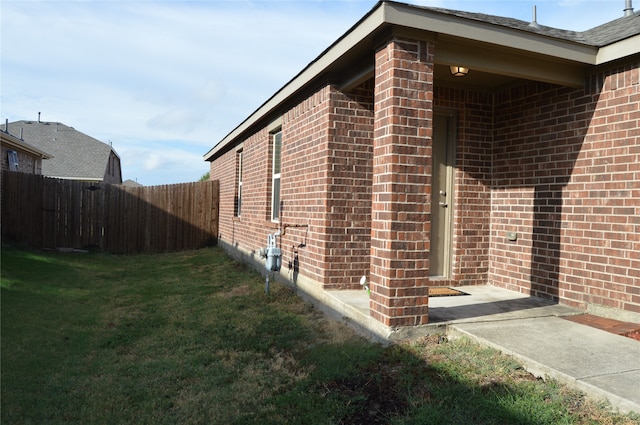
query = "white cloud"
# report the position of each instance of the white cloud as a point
(162, 164)
(183, 119)
(166, 80)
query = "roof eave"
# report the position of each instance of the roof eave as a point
(486, 32)
(17, 143)
(420, 19)
(372, 21)
(619, 49)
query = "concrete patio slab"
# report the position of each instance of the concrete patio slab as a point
(491, 303)
(602, 364)
(483, 303)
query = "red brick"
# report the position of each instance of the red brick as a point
(557, 165)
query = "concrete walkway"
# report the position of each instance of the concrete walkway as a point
(602, 364)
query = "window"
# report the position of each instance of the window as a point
(239, 190)
(12, 157)
(275, 179)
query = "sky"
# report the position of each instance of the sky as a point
(164, 81)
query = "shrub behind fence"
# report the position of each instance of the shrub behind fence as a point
(53, 213)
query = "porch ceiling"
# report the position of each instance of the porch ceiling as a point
(475, 79)
(498, 65)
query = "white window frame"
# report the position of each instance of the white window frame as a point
(275, 176)
(239, 194)
(12, 158)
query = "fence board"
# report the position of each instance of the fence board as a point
(54, 213)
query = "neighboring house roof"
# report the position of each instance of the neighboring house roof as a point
(14, 142)
(131, 183)
(75, 155)
(498, 50)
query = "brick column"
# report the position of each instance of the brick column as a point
(400, 228)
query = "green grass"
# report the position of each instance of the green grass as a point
(191, 338)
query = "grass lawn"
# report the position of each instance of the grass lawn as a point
(191, 338)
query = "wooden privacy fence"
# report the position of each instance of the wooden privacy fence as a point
(53, 213)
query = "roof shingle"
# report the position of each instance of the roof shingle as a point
(75, 154)
(600, 36)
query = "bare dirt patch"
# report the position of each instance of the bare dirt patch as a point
(237, 291)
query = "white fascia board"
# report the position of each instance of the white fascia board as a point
(427, 20)
(368, 25)
(627, 47)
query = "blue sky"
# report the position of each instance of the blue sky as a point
(164, 81)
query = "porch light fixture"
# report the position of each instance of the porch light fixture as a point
(459, 71)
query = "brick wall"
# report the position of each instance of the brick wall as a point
(350, 151)
(248, 232)
(401, 182)
(305, 177)
(567, 180)
(472, 183)
(559, 167)
(325, 188)
(27, 163)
